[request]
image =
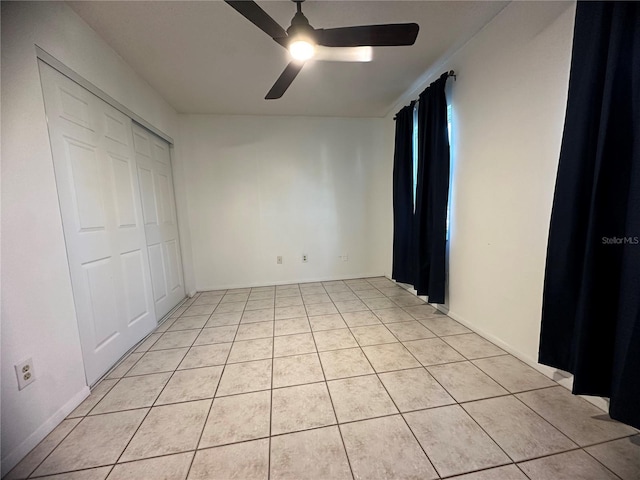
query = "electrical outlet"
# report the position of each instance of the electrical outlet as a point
(345, 258)
(305, 258)
(25, 373)
(279, 260)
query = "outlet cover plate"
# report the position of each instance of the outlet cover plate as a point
(25, 373)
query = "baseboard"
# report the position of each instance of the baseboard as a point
(563, 378)
(32, 441)
(289, 281)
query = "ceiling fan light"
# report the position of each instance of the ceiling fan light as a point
(301, 49)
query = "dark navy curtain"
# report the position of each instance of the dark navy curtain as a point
(591, 299)
(403, 241)
(432, 193)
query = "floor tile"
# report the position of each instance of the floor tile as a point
(168, 429)
(359, 398)
(391, 290)
(224, 319)
(208, 299)
(235, 307)
(97, 394)
(206, 356)
(315, 309)
(317, 290)
(345, 296)
(391, 356)
(566, 466)
(189, 323)
(297, 311)
(507, 472)
(245, 377)
(262, 304)
(311, 455)
(473, 346)
(350, 306)
(288, 301)
(373, 335)
(296, 370)
(454, 443)
(125, 365)
(442, 325)
(314, 298)
(262, 294)
(336, 288)
(517, 429)
(513, 374)
(344, 363)
(327, 322)
(99, 473)
(257, 316)
(292, 326)
(234, 297)
(209, 336)
(253, 331)
(385, 448)
(169, 467)
(29, 463)
(189, 385)
(249, 350)
(369, 293)
(240, 461)
(420, 311)
(133, 392)
(95, 441)
(393, 315)
(166, 324)
(300, 408)
(407, 300)
(622, 456)
(148, 342)
(409, 331)
(198, 310)
(465, 382)
(293, 345)
(360, 319)
(432, 351)
(237, 418)
(415, 389)
(378, 303)
(578, 419)
(182, 338)
(157, 362)
(334, 339)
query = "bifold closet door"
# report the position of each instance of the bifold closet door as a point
(96, 176)
(153, 160)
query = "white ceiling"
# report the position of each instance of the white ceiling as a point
(204, 57)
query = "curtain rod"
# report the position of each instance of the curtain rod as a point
(450, 73)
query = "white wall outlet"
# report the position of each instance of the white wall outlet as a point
(345, 258)
(25, 372)
(279, 260)
(305, 258)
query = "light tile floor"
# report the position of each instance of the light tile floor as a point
(346, 379)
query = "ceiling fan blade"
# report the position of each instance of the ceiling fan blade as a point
(390, 35)
(284, 80)
(256, 15)
(343, 54)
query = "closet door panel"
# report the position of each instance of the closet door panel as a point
(96, 176)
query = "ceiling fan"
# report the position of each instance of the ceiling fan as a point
(302, 40)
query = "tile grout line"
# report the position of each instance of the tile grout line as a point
(326, 384)
(214, 395)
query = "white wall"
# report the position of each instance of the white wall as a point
(264, 186)
(508, 113)
(38, 316)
